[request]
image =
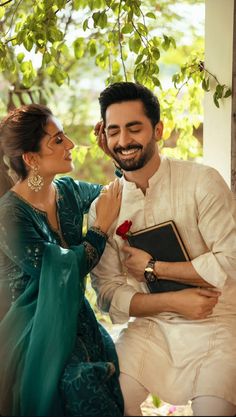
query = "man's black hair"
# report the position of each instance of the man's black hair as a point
(129, 91)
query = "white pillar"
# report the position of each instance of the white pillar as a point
(219, 61)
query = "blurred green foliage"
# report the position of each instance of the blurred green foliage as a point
(63, 53)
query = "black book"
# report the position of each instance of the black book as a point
(164, 243)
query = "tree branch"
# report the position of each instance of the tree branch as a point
(120, 44)
(12, 18)
(6, 2)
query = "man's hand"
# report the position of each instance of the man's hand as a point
(194, 303)
(136, 262)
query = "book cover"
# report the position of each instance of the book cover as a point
(164, 243)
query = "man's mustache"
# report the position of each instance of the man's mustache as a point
(127, 148)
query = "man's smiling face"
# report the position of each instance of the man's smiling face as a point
(131, 137)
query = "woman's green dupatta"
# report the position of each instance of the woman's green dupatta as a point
(37, 336)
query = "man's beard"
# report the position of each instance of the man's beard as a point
(134, 164)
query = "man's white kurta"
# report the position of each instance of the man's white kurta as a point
(175, 358)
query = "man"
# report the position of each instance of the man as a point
(178, 345)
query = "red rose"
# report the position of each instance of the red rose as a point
(123, 229)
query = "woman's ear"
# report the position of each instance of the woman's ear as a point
(29, 159)
(159, 130)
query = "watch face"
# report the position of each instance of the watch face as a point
(148, 273)
(149, 276)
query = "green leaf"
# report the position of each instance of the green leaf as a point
(26, 66)
(139, 59)
(102, 20)
(151, 15)
(92, 47)
(115, 67)
(135, 45)
(219, 90)
(78, 45)
(29, 73)
(136, 9)
(16, 100)
(96, 16)
(142, 29)
(166, 43)
(85, 24)
(20, 57)
(76, 4)
(215, 98)
(21, 34)
(176, 79)
(54, 34)
(139, 73)
(28, 43)
(205, 84)
(47, 57)
(127, 28)
(102, 60)
(156, 53)
(172, 41)
(156, 81)
(59, 76)
(228, 93)
(50, 69)
(26, 98)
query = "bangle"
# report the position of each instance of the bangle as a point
(91, 255)
(97, 230)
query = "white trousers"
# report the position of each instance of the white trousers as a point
(135, 394)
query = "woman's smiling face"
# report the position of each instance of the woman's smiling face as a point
(54, 156)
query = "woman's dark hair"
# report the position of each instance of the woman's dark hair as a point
(128, 91)
(20, 131)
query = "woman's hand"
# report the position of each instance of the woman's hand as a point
(136, 261)
(102, 141)
(108, 205)
(101, 137)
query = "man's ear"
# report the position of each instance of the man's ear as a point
(159, 130)
(29, 159)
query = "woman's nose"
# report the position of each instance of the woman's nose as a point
(69, 143)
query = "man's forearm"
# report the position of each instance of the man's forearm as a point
(181, 272)
(150, 304)
(194, 303)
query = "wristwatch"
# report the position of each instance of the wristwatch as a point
(149, 273)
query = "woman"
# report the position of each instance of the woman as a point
(55, 358)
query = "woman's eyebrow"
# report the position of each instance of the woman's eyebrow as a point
(54, 134)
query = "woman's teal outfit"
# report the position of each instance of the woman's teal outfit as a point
(55, 358)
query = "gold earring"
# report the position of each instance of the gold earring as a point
(35, 181)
